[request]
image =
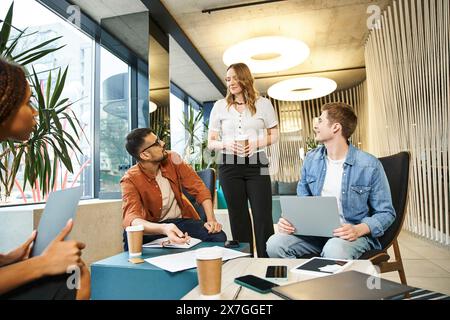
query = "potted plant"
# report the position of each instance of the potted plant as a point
(196, 152)
(161, 129)
(311, 143)
(50, 143)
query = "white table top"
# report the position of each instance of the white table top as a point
(242, 266)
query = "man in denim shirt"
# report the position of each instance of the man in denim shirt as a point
(358, 181)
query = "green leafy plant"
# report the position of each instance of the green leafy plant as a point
(191, 126)
(310, 143)
(50, 143)
(196, 152)
(208, 156)
(162, 131)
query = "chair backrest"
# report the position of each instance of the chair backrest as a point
(397, 172)
(208, 177)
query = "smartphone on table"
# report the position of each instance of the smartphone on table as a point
(255, 283)
(276, 273)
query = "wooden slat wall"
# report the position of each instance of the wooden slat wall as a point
(285, 161)
(408, 81)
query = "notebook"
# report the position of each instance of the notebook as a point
(348, 285)
(165, 242)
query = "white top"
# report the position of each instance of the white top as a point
(230, 123)
(170, 208)
(333, 183)
(138, 227)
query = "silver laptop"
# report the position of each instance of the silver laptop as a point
(349, 285)
(311, 216)
(60, 207)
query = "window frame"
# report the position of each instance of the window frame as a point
(102, 38)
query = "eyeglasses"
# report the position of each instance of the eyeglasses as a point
(157, 142)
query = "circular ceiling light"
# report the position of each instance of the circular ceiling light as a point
(300, 89)
(267, 54)
(152, 107)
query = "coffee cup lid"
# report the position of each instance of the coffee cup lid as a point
(209, 253)
(241, 137)
(138, 227)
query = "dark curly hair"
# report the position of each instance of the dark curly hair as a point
(13, 85)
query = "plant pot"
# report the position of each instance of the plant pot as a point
(4, 199)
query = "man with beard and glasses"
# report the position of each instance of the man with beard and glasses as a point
(152, 194)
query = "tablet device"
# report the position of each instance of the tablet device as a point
(311, 216)
(60, 207)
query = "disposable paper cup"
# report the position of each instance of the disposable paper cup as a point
(209, 271)
(134, 237)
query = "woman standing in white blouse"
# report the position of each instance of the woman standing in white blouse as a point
(244, 173)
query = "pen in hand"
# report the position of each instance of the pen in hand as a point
(186, 236)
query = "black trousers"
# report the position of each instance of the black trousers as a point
(48, 288)
(243, 180)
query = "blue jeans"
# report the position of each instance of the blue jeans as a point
(195, 229)
(282, 245)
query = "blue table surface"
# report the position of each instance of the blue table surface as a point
(121, 260)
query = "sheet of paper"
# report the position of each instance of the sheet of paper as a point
(186, 260)
(165, 242)
(331, 268)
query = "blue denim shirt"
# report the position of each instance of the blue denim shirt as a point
(366, 196)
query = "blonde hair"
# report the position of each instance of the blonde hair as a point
(247, 83)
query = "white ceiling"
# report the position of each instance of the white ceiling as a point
(335, 31)
(100, 9)
(185, 74)
(124, 20)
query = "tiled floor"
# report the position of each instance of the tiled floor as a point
(427, 265)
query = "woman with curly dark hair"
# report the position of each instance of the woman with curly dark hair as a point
(44, 276)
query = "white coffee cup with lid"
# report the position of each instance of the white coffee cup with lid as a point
(135, 234)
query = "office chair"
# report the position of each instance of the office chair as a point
(397, 171)
(208, 177)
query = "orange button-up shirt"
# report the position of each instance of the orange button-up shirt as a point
(141, 196)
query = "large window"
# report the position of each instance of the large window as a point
(77, 54)
(177, 132)
(103, 98)
(199, 131)
(187, 139)
(114, 120)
